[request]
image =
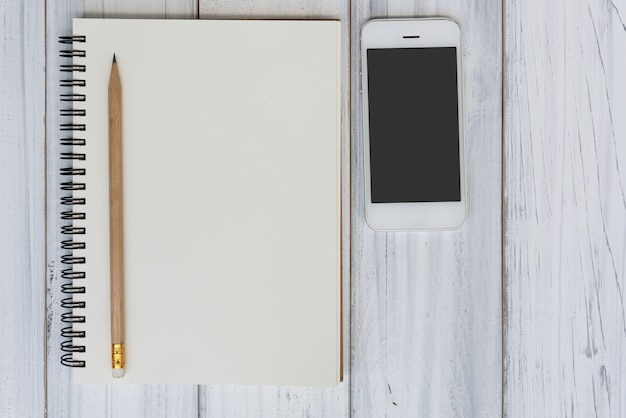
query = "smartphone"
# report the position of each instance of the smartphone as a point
(413, 124)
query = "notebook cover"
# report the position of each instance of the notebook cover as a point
(232, 188)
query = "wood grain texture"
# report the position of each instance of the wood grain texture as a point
(565, 208)
(426, 306)
(257, 401)
(63, 398)
(425, 332)
(22, 209)
(116, 205)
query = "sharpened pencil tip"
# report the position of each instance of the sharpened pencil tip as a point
(114, 58)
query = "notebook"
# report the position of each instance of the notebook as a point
(232, 197)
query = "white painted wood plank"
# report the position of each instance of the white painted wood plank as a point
(297, 9)
(22, 209)
(426, 307)
(256, 401)
(65, 399)
(565, 208)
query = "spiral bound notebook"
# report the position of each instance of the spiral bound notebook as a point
(232, 189)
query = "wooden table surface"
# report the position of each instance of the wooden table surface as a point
(520, 313)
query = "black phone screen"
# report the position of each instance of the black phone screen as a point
(413, 125)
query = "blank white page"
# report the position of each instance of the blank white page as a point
(231, 171)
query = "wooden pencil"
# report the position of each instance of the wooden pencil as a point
(116, 222)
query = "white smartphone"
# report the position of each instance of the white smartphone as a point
(413, 124)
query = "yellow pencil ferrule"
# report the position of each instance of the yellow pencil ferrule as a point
(118, 356)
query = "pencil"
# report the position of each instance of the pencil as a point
(116, 222)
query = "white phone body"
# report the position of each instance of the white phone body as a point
(414, 65)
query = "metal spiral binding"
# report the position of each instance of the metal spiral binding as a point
(72, 243)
